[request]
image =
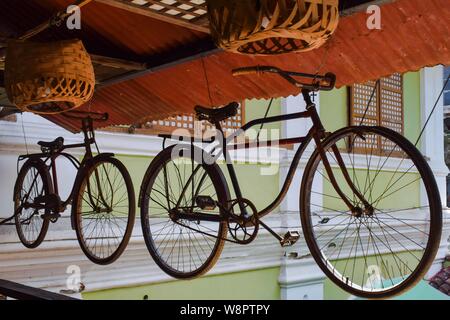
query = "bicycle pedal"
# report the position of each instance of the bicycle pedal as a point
(52, 217)
(290, 238)
(205, 202)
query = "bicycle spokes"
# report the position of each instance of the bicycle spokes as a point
(28, 215)
(104, 210)
(384, 242)
(181, 220)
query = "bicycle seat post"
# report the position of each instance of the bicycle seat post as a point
(87, 127)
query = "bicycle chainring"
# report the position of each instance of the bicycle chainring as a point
(243, 229)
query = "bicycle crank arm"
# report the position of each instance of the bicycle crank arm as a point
(198, 216)
(289, 239)
(272, 232)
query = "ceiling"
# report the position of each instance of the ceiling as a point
(169, 65)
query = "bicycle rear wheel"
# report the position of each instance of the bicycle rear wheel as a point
(386, 244)
(104, 210)
(33, 181)
(183, 248)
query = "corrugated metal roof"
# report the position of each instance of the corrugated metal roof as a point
(414, 34)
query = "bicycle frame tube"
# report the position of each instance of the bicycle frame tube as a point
(316, 133)
(304, 141)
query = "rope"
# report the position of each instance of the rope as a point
(207, 82)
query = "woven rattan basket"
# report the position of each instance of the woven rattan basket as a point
(48, 78)
(267, 27)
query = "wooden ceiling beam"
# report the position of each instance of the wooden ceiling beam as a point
(134, 8)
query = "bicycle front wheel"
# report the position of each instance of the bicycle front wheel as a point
(104, 210)
(376, 234)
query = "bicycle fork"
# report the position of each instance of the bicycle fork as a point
(318, 135)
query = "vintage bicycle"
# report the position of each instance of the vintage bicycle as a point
(102, 197)
(370, 208)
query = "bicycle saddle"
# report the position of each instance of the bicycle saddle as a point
(217, 114)
(55, 144)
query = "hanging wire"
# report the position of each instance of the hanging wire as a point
(207, 81)
(377, 84)
(432, 111)
(24, 134)
(265, 116)
(324, 58)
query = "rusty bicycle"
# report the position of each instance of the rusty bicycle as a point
(369, 205)
(102, 197)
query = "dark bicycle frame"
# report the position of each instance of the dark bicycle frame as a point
(316, 133)
(52, 155)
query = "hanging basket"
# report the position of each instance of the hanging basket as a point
(48, 78)
(268, 27)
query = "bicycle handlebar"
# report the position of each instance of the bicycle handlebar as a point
(320, 82)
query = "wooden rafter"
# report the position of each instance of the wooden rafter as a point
(198, 23)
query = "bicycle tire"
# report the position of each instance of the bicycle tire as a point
(435, 224)
(219, 183)
(42, 171)
(85, 235)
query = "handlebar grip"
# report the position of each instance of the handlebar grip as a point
(245, 71)
(331, 77)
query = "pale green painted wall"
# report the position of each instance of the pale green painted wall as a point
(411, 105)
(334, 109)
(248, 285)
(255, 109)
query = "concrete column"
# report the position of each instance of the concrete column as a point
(300, 278)
(432, 146)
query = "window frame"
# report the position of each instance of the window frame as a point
(383, 111)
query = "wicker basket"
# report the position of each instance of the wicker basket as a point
(48, 78)
(268, 27)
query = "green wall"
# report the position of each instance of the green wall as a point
(255, 109)
(248, 285)
(334, 109)
(411, 105)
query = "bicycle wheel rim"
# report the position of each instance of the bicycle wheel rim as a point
(195, 252)
(31, 228)
(417, 228)
(104, 211)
